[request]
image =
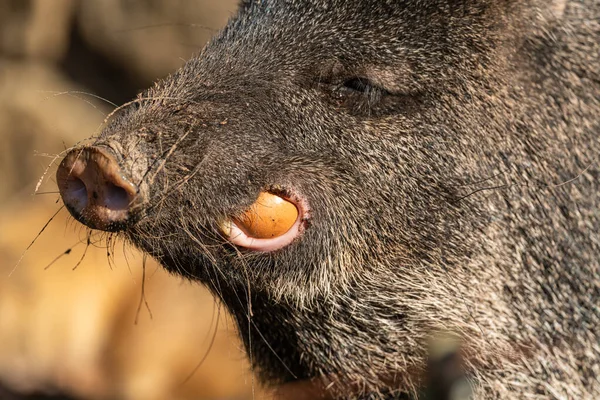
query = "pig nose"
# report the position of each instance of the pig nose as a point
(95, 189)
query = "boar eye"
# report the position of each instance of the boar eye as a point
(270, 216)
(359, 94)
(363, 86)
(359, 85)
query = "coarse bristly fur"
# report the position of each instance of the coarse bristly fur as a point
(448, 150)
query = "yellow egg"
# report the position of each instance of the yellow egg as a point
(270, 216)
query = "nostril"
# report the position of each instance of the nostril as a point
(76, 193)
(95, 189)
(116, 197)
(77, 187)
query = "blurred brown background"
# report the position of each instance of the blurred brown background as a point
(74, 331)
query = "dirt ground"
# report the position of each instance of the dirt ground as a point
(74, 321)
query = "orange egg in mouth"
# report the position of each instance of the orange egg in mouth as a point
(270, 223)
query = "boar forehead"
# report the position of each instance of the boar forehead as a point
(283, 39)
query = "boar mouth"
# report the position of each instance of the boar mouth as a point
(272, 222)
(98, 192)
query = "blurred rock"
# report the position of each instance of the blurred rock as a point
(35, 28)
(152, 37)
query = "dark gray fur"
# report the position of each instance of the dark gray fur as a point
(458, 196)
